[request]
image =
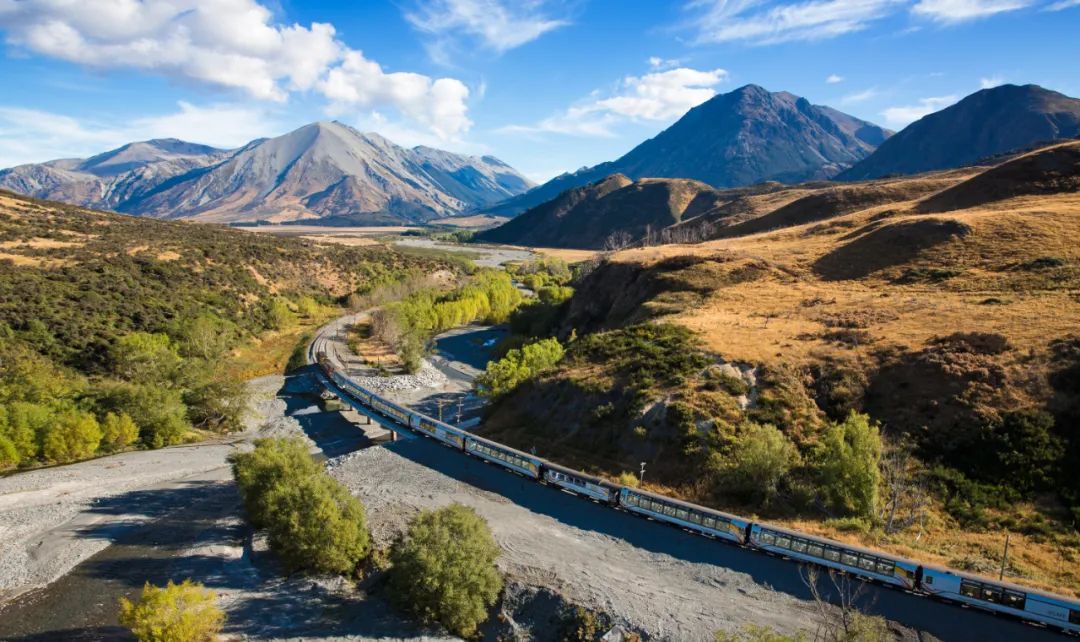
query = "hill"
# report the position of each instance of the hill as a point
(325, 170)
(987, 123)
(109, 320)
(950, 320)
(744, 137)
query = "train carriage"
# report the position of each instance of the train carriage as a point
(441, 431)
(684, 514)
(506, 457)
(579, 483)
(856, 560)
(1002, 597)
(388, 409)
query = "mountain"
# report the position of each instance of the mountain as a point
(744, 137)
(326, 171)
(987, 123)
(585, 217)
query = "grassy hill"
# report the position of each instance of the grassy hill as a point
(107, 320)
(945, 306)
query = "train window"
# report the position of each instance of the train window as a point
(885, 567)
(1074, 617)
(969, 589)
(799, 546)
(832, 554)
(867, 563)
(709, 522)
(767, 537)
(1014, 600)
(695, 517)
(851, 559)
(669, 510)
(680, 513)
(815, 550)
(783, 542)
(991, 594)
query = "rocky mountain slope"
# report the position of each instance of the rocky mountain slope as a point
(740, 138)
(325, 171)
(993, 121)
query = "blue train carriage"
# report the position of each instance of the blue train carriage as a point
(689, 516)
(515, 460)
(443, 432)
(1002, 597)
(579, 483)
(862, 562)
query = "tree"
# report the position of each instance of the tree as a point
(273, 462)
(444, 569)
(118, 431)
(839, 618)
(519, 365)
(25, 426)
(848, 464)
(185, 612)
(759, 458)
(9, 455)
(307, 306)
(216, 402)
(142, 357)
(159, 412)
(278, 314)
(72, 434)
(206, 336)
(316, 525)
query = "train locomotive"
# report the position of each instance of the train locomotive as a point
(1054, 611)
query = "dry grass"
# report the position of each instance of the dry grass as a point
(269, 353)
(568, 255)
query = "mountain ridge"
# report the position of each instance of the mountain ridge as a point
(321, 170)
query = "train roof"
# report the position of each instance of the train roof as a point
(833, 542)
(1072, 602)
(679, 502)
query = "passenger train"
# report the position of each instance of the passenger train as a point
(1054, 611)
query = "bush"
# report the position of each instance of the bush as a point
(159, 412)
(848, 465)
(118, 431)
(184, 612)
(25, 425)
(273, 463)
(444, 569)
(9, 455)
(754, 633)
(519, 365)
(142, 357)
(759, 458)
(316, 525)
(72, 435)
(629, 479)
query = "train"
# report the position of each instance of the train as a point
(1038, 607)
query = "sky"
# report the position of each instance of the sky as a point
(545, 85)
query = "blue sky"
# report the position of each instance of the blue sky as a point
(547, 86)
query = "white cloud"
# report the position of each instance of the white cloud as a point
(860, 96)
(657, 96)
(659, 64)
(233, 44)
(1063, 4)
(833, 79)
(498, 25)
(993, 81)
(770, 22)
(952, 11)
(33, 136)
(903, 115)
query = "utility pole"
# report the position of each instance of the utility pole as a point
(641, 475)
(1004, 557)
(440, 403)
(460, 402)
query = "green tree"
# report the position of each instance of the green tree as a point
(316, 525)
(72, 434)
(118, 431)
(143, 357)
(217, 402)
(848, 463)
(554, 294)
(279, 314)
(273, 462)
(307, 307)
(519, 365)
(26, 424)
(159, 412)
(759, 458)
(185, 612)
(206, 336)
(9, 455)
(444, 569)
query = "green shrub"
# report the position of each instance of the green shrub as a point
(759, 458)
(848, 465)
(118, 431)
(273, 463)
(518, 366)
(9, 455)
(142, 357)
(754, 633)
(646, 355)
(71, 435)
(159, 412)
(25, 426)
(629, 479)
(316, 525)
(583, 625)
(444, 569)
(184, 612)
